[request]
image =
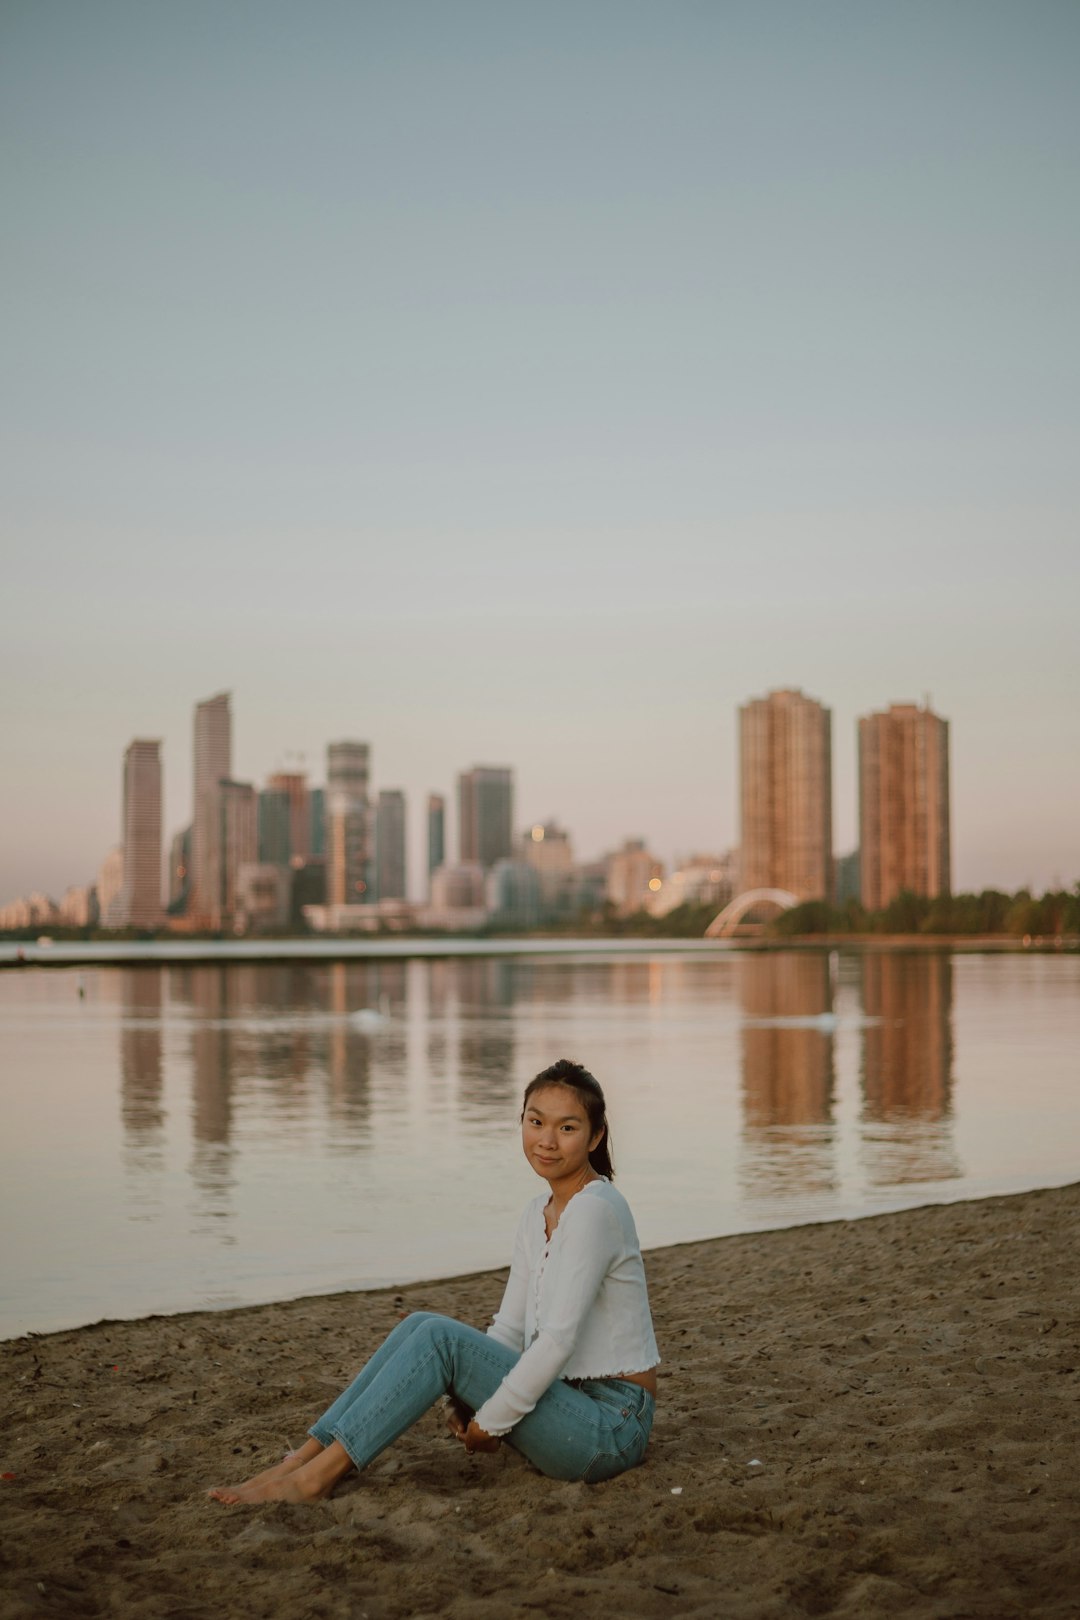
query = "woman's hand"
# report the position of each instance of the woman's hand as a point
(458, 1416)
(478, 1439)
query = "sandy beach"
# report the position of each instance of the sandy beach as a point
(866, 1418)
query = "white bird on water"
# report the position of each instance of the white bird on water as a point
(370, 1018)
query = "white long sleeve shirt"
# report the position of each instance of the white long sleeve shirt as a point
(575, 1306)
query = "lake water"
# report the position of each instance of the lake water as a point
(186, 1136)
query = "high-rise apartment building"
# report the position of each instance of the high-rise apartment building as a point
(139, 902)
(485, 815)
(179, 877)
(318, 821)
(238, 841)
(213, 765)
(436, 834)
(390, 845)
(294, 785)
(785, 789)
(347, 823)
(512, 895)
(110, 888)
(903, 804)
(275, 827)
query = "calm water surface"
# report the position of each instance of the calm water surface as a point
(186, 1136)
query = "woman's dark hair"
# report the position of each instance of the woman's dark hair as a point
(586, 1088)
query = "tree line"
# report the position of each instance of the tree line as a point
(1018, 916)
(991, 913)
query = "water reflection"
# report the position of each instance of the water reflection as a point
(345, 1059)
(431, 987)
(788, 1075)
(344, 1052)
(907, 1068)
(486, 1046)
(142, 1106)
(142, 1087)
(212, 993)
(255, 1131)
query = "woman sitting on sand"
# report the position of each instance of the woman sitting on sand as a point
(566, 1370)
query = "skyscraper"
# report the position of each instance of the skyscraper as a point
(179, 878)
(347, 823)
(317, 801)
(140, 896)
(436, 834)
(903, 804)
(275, 827)
(785, 790)
(485, 814)
(213, 764)
(238, 840)
(390, 845)
(294, 785)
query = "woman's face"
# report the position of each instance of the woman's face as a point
(556, 1134)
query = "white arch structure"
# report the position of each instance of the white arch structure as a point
(733, 913)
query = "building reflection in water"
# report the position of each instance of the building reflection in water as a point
(279, 1082)
(788, 1075)
(275, 1041)
(907, 1113)
(434, 983)
(635, 984)
(142, 1103)
(336, 1054)
(391, 998)
(487, 1083)
(211, 993)
(368, 1004)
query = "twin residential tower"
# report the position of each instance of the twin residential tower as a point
(785, 783)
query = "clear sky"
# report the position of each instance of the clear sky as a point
(532, 383)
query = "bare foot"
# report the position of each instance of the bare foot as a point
(313, 1480)
(288, 1488)
(288, 1465)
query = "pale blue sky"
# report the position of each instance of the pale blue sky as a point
(532, 384)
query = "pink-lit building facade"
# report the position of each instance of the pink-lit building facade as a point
(785, 791)
(139, 901)
(904, 815)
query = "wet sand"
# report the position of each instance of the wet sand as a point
(866, 1418)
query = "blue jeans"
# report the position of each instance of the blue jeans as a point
(592, 1430)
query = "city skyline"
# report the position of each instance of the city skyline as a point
(786, 816)
(533, 385)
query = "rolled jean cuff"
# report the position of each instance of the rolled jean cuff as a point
(335, 1434)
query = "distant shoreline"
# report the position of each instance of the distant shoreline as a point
(125, 953)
